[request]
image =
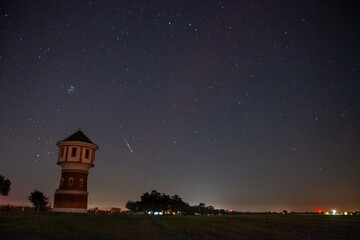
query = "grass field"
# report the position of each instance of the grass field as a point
(272, 226)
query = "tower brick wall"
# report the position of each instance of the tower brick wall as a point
(73, 181)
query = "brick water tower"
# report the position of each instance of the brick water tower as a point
(76, 157)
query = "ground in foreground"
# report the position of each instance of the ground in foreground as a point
(251, 226)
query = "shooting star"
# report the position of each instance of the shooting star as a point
(126, 142)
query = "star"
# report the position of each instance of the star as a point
(71, 90)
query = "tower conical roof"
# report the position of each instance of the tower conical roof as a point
(78, 136)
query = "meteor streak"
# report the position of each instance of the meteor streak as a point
(126, 142)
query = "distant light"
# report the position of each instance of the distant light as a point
(333, 212)
(345, 213)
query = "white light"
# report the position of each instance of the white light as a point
(333, 212)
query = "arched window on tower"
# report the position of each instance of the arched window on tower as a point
(62, 182)
(71, 181)
(81, 182)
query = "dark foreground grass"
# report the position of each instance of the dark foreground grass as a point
(83, 226)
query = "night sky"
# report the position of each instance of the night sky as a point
(244, 105)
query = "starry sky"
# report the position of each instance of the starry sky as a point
(244, 105)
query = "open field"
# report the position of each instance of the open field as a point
(272, 226)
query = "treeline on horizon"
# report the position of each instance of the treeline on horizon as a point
(156, 202)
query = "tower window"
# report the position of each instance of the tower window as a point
(73, 152)
(71, 181)
(61, 152)
(62, 182)
(81, 182)
(87, 153)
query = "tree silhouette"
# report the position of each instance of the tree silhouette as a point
(157, 202)
(39, 200)
(154, 201)
(130, 205)
(160, 202)
(4, 186)
(134, 206)
(177, 204)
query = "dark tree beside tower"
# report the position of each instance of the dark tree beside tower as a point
(4, 186)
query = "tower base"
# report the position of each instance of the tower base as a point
(70, 201)
(70, 210)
